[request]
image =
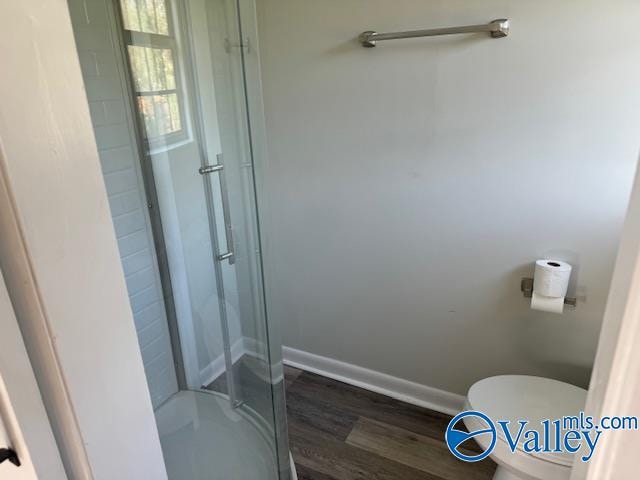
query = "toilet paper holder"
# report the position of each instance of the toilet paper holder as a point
(526, 285)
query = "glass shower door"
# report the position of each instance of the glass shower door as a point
(186, 63)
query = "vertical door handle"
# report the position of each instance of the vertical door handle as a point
(224, 194)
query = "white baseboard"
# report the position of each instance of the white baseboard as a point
(251, 346)
(217, 367)
(258, 349)
(242, 346)
(398, 388)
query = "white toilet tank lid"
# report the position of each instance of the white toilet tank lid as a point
(520, 397)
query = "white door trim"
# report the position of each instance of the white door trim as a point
(59, 254)
(615, 382)
(16, 264)
(23, 419)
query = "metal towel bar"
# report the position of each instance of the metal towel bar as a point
(496, 28)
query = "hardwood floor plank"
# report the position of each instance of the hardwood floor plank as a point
(324, 454)
(341, 432)
(414, 450)
(319, 414)
(290, 375)
(305, 473)
(360, 402)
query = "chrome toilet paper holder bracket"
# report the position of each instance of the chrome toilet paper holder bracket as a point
(526, 285)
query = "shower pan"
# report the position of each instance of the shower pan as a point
(173, 92)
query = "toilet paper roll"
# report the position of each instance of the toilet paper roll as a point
(551, 278)
(547, 304)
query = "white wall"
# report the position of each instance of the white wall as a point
(413, 185)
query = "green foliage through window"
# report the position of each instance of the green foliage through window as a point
(152, 68)
(148, 16)
(160, 113)
(152, 50)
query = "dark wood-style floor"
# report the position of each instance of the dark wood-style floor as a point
(341, 432)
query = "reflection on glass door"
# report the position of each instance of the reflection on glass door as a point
(184, 65)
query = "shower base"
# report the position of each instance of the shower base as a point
(203, 438)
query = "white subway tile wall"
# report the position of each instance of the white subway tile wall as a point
(94, 31)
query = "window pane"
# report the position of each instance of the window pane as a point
(160, 113)
(148, 16)
(152, 68)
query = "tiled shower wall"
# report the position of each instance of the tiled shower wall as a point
(105, 86)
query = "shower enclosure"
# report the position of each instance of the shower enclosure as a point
(172, 90)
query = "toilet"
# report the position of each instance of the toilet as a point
(519, 397)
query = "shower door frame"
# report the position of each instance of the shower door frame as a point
(177, 327)
(181, 331)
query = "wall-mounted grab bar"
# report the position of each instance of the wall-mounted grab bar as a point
(496, 28)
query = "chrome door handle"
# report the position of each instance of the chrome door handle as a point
(224, 194)
(226, 256)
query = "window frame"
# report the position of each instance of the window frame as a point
(169, 41)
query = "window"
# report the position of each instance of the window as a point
(152, 49)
